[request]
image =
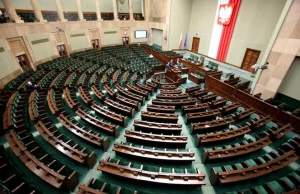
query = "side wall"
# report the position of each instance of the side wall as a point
(291, 81)
(180, 14)
(8, 64)
(106, 6)
(201, 23)
(157, 36)
(254, 27)
(79, 40)
(110, 36)
(42, 46)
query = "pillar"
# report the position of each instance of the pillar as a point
(131, 10)
(115, 7)
(79, 10)
(98, 11)
(283, 50)
(10, 10)
(37, 11)
(147, 10)
(60, 12)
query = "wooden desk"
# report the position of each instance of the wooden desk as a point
(195, 79)
(157, 139)
(174, 75)
(194, 67)
(162, 58)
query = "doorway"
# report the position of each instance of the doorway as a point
(250, 58)
(195, 44)
(95, 44)
(125, 41)
(24, 62)
(61, 50)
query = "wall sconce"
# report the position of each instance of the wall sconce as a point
(166, 38)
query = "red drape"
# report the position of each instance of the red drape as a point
(228, 31)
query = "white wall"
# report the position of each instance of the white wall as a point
(88, 5)
(110, 38)
(291, 81)
(42, 50)
(254, 27)
(180, 14)
(137, 6)
(157, 36)
(22, 4)
(106, 6)
(79, 42)
(7, 63)
(202, 19)
(123, 8)
(69, 5)
(47, 5)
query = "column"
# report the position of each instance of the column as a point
(115, 10)
(147, 10)
(281, 52)
(79, 10)
(131, 10)
(60, 12)
(10, 10)
(98, 11)
(37, 11)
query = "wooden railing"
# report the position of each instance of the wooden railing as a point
(248, 100)
(160, 56)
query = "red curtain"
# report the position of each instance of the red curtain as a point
(228, 31)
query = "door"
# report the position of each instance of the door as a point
(24, 62)
(195, 44)
(61, 50)
(250, 58)
(125, 40)
(95, 44)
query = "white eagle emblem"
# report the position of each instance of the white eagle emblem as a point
(224, 14)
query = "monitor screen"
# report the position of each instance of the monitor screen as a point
(140, 34)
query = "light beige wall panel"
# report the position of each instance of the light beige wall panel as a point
(110, 36)
(106, 6)
(88, 5)
(137, 6)
(254, 27)
(17, 48)
(79, 40)
(237, 54)
(22, 4)
(159, 9)
(123, 8)
(201, 22)
(179, 22)
(59, 38)
(290, 84)
(157, 36)
(42, 46)
(8, 63)
(69, 5)
(47, 5)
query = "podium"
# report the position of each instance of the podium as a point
(175, 75)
